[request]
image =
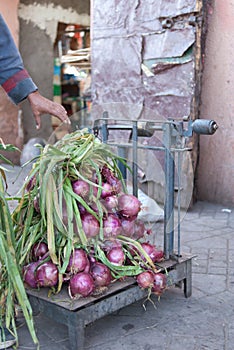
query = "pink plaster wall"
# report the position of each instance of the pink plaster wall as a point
(8, 111)
(8, 9)
(216, 166)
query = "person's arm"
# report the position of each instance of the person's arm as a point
(17, 82)
(14, 78)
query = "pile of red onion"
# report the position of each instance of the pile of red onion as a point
(115, 239)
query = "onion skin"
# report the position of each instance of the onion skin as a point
(39, 250)
(106, 190)
(139, 229)
(111, 203)
(90, 225)
(116, 256)
(101, 274)
(47, 275)
(81, 188)
(110, 178)
(81, 284)
(145, 279)
(29, 274)
(128, 227)
(78, 261)
(160, 283)
(151, 250)
(128, 205)
(112, 226)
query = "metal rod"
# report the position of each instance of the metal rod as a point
(134, 159)
(179, 201)
(123, 154)
(169, 193)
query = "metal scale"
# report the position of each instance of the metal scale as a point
(76, 315)
(174, 143)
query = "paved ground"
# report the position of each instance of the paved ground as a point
(205, 321)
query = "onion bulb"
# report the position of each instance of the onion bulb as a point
(155, 254)
(29, 274)
(112, 226)
(160, 283)
(101, 274)
(78, 261)
(128, 205)
(116, 256)
(145, 279)
(81, 188)
(81, 284)
(39, 250)
(47, 275)
(90, 225)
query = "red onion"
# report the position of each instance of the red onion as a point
(39, 250)
(112, 226)
(29, 274)
(151, 250)
(36, 204)
(31, 183)
(116, 256)
(111, 243)
(90, 225)
(47, 275)
(107, 190)
(160, 283)
(128, 205)
(81, 188)
(109, 177)
(145, 279)
(139, 229)
(101, 274)
(78, 261)
(81, 284)
(111, 202)
(82, 209)
(128, 227)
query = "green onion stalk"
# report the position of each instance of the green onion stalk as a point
(12, 289)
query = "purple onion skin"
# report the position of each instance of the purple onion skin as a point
(116, 256)
(107, 190)
(160, 283)
(81, 284)
(81, 188)
(128, 227)
(128, 205)
(112, 226)
(151, 250)
(82, 209)
(47, 275)
(101, 274)
(110, 203)
(145, 279)
(31, 183)
(90, 225)
(39, 250)
(29, 274)
(111, 179)
(78, 261)
(139, 229)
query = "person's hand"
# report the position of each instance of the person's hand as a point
(41, 105)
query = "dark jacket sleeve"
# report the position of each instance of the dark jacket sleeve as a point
(14, 78)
